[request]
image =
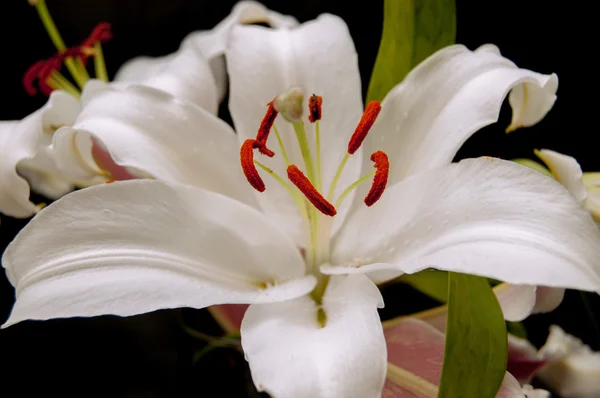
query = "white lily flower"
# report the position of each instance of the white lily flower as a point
(137, 246)
(195, 73)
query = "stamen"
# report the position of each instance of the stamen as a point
(31, 75)
(315, 108)
(101, 33)
(382, 164)
(310, 192)
(248, 167)
(365, 124)
(265, 128)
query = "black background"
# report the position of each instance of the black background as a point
(149, 355)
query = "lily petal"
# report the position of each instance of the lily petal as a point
(291, 355)
(185, 74)
(447, 98)
(486, 217)
(520, 301)
(319, 56)
(566, 170)
(137, 246)
(23, 140)
(147, 130)
(517, 301)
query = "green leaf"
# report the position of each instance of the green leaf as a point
(433, 283)
(517, 329)
(412, 31)
(476, 349)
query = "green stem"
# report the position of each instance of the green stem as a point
(305, 149)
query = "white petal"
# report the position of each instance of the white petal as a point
(517, 301)
(137, 246)
(573, 370)
(319, 57)
(484, 216)
(520, 301)
(566, 170)
(592, 203)
(213, 43)
(290, 355)
(148, 130)
(448, 97)
(547, 299)
(185, 74)
(21, 140)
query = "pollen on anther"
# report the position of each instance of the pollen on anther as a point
(248, 167)
(362, 129)
(265, 128)
(101, 33)
(380, 179)
(310, 192)
(315, 108)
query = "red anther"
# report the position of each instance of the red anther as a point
(265, 128)
(264, 150)
(315, 108)
(101, 33)
(382, 164)
(304, 185)
(31, 75)
(109, 181)
(365, 124)
(248, 167)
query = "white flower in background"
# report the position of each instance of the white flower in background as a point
(197, 235)
(519, 301)
(573, 369)
(196, 72)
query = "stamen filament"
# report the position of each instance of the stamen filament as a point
(42, 10)
(283, 151)
(99, 64)
(318, 148)
(62, 83)
(305, 149)
(294, 194)
(336, 178)
(352, 186)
